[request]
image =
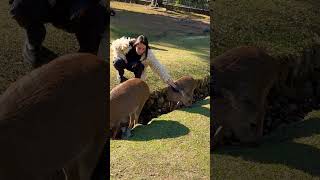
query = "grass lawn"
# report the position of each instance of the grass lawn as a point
(180, 41)
(280, 26)
(172, 146)
(291, 152)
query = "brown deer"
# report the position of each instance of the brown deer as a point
(128, 98)
(184, 94)
(54, 119)
(242, 79)
(126, 102)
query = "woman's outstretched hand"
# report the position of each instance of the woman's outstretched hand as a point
(173, 85)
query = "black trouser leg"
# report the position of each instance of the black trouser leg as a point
(33, 51)
(31, 15)
(138, 69)
(35, 35)
(120, 65)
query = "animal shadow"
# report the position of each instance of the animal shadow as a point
(158, 129)
(282, 147)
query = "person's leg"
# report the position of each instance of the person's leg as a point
(135, 67)
(91, 28)
(138, 69)
(35, 35)
(33, 51)
(33, 24)
(119, 64)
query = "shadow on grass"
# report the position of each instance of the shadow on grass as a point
(198, 108)
(159, 129)
(289, 153)
(176, 34)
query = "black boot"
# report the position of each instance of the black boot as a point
(122, 79)
(38, 57)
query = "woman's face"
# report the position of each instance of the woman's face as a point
(140, 48)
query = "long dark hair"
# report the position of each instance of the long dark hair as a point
(144, 40)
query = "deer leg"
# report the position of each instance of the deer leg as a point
(136, 118)
(131, 124)
(92, 160)
(137, 113)
(260, 120)
(71, 170)
(217, 137)
(115, 132)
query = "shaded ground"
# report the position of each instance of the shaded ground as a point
(180, 41)
(291, 152)
(172, 146)
(280, 26)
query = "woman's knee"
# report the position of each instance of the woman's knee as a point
(138, 69)
(119, 63)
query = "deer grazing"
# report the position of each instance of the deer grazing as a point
(53, 121)
(242, 79)
(184, 94)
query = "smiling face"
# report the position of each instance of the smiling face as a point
(140, 48)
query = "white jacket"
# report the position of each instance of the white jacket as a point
(120, 48)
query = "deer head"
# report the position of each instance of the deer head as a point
(184, 94)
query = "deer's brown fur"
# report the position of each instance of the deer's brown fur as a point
(187, 85)
(55, 118)
(126, 102)
(242, 78)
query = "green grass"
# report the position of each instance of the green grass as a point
(178, 40)
(172, 146)
(291, 152)
(279, 26)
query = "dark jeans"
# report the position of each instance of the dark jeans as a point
(135, 67)
(33, 14)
